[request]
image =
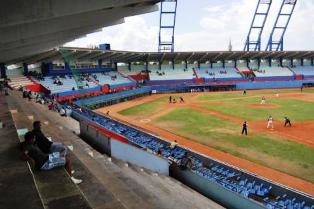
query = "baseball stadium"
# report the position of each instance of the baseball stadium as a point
(166, 128)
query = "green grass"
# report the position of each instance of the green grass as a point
(145, 109)
(239, 94)
(296, 110)
(266, 149)
(225, 136)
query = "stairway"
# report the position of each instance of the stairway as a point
(19, 81)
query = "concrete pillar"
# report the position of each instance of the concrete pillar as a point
(269, 62)
(25, 69)
(198, 64)
(3, 70)
(302, 61)
(116, 66)
(129, 66)
(159, 65)
(235, 63)
(223, 63)
(186, 64)
(258, 63)
(291, 62)
(248, 62)
(211, 64)
(100, 63)
(146, 65)
(280, 62)
(312, 61)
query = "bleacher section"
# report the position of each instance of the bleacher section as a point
(228, 73)
(113, 78)
(127, 72)
(19, 81)
(68, 82)
(273, 72)
(171, 74)
(270, 195)
(306, 71)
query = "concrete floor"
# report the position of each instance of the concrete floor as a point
(108, 183)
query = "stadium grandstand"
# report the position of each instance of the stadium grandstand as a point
(83, 98)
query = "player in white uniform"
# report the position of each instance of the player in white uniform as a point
(263, 101)
(270, 122)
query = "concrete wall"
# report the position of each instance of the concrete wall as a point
(96, 139)
(269, 84)
(139, 157)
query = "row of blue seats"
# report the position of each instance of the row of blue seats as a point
(223, 175)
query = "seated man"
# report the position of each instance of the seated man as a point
(42, 161)
(43, 142)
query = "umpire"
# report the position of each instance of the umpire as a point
(244, 129)
(287, 121)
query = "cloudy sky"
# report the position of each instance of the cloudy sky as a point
(206, 25)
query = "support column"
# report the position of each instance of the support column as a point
(223, 63)
(25, 69)
(129, 66)
(146, 65)
(291, 62)
(280, 62)
(235, 63)
(248, 62)
(198, 65)
(312, 61)
(302, 61)
(258, 63)
(159, 65)
(100, 63)
(211, 64)
(3, 70)
(269, 62)
(186, 64)
(116, 66)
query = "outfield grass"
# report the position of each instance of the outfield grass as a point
(296, 110)
(266, 149)
(146, 109)
(225, 136)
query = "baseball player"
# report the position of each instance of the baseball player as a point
(270, 122)
(263, 101)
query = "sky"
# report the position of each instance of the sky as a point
(206, 25)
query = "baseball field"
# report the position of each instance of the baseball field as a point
(210, 122)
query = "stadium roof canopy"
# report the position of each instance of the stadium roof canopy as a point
(86, 54)
(30, 27)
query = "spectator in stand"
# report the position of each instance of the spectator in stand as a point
(44, 144)
(50, 106)
(29, 96)
(185, 162)
(63, 112)
(42, 161)
(173, 144)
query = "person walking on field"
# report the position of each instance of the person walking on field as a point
(181, 100)
(244, 129)
(287, 121)
(270, 122)
(170, 99)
